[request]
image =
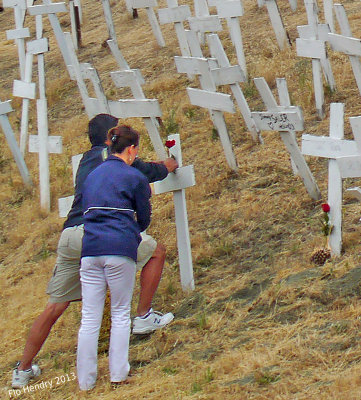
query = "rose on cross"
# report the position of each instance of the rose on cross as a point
(326, 226)
(170, 143)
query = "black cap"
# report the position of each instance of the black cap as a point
(98, 128)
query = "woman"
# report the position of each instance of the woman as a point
(112, 194)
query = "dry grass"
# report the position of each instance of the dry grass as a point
(263, 322)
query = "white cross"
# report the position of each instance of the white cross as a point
(332, 147)
(5, 108)
(285, 119)
(149, 7)
(345, 43)
(20, 33)
(51, 9)
(210, 99)
(277, 24)
(133, 78)
(177, 182)
(350, 166)
(177, 15)
(322, 31)
(75, 20)
(109, 20)
(217, 51)
(65, 203)
(231, 10)
(314, 47)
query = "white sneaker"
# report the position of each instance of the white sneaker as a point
(152, 321)
(22, 378)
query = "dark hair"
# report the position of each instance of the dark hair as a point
(121, 137)
(98, 128)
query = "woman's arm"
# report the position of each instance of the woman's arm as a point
(142, 204)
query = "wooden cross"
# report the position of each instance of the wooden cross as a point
(350, 166)
(317, 31)
(285, 119)
(332, 147)
(177, 182)
(22, 88)
(177, 15)
(208, 98)
(42, 143)
(26, 90)
(328, 13)
(209, 23)
(217, 51)
(149, 7)
(231, 10)
(109, 20)
(220, 67)
(20, 33)
(201, 12)
(51, 9)
(133, 78)
(6, 108)
(322, 30)
(277, 24)
(75, 21)
(345, 43)
(65, 203)
(314, 49)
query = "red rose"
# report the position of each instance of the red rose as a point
(325, 207)
(170, 143)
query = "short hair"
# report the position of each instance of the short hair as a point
(98, 128)
(120, 137)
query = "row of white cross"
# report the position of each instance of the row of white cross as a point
(212, 73)
(148, 109)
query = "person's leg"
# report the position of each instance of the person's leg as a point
(63, 287)
(149, 279)
(40, 331)
(152, 256)
(93, 290)
(120, 276)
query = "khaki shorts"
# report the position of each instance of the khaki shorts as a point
(65, 285)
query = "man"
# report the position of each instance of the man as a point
(64, 286)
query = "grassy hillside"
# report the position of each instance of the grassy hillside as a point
(263, 322)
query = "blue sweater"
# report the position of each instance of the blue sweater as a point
(92, 159)
(112, 193)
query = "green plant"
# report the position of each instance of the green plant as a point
(329, 92)
(205, 262)
(202, 320)
(196, 387)
(214, 135)
(207, 378)
(303, 71)
(341, 327)
(44, 253)
(170, 125)
(209, 375)
(190, 113)
(224, 249)
(249, 90)
(266, 378)
(171, 288)
(170, 370)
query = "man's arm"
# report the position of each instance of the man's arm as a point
(155, 171)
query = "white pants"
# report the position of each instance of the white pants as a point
(96, 273)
